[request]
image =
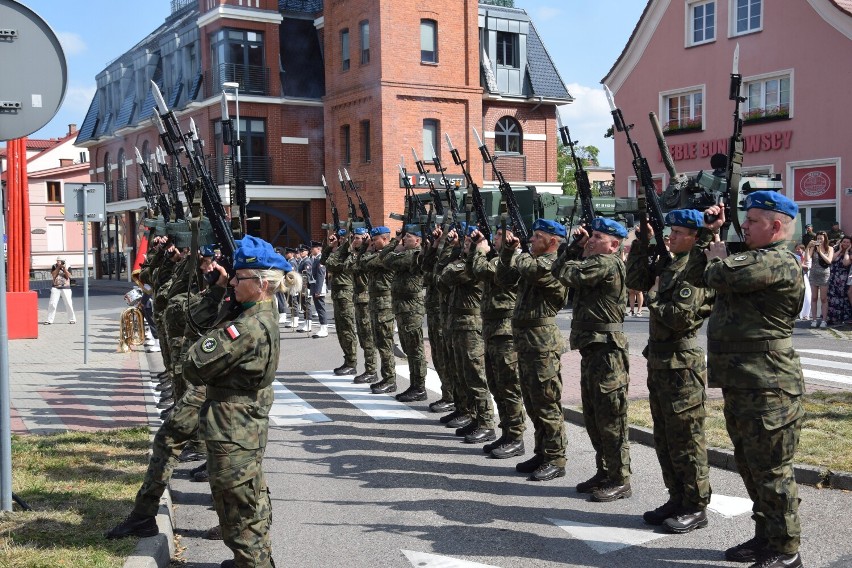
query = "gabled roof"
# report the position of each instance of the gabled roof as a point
(544, 77)
(624, 51)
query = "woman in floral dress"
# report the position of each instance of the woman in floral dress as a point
(839, 308)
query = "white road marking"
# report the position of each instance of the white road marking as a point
(376, 406)
(433, 382)
(291, 410)
(729, 507)
(826, 352)
(607, 539)
(426, 560)
(825, 363)
(830, 377)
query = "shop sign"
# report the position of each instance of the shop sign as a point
(752, 143)
(815, 184)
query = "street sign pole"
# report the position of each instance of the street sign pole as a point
(5, 399)
(85, 189)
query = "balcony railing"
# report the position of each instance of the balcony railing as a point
(255, 170)
(110, 195)
(253, 80)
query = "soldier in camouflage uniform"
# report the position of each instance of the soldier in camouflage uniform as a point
(677, 372)
(361, 298)
(434, 327)
(501, 358)
(334, 257)
(407, 295)
(381, 308)
(465, 330)
(750, 356)
(539, 342)
(237, 362)
(600, 297)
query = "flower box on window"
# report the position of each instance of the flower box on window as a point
(759, 115)
(682, 126)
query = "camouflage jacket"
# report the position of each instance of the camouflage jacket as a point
(540, 297)
(759, 293)
(600, 296)
(335, 263)
(379, 278)
(237, 362)
(407, 285)
(677, 310)
(434, 262)
(465, 296)
(499, 296)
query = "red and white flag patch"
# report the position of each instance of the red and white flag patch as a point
(232, 332)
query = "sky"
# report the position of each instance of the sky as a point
(583, 37)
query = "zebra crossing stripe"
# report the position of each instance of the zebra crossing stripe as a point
(828, 377)
(826, 352)
(426, 560)
(291, 410)
(606, 539)
(840, 366)
(729, 507)
(376, 406)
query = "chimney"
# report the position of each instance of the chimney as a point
(72, 129)
(65, 162)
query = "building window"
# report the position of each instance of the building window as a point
(254, 161)
(54, 192)
(746, 16)
(238, 56)
(507, 136)
(364, 29)
(428, 41)
(702, 22)
(767, 99)
(507, 50)
(345, 145)
(684, 111)
(365, 141)
(430, 138)
(344, 48)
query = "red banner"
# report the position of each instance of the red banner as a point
(815, 184)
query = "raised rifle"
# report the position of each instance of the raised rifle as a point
(365, 212)
(171, 134)
(436, 197)
(581, 178)
(175, 207)
(473, 193)
(650, 211)
(519, 228)
(146, 182)
(335, 216)
(353, 213)
(236, 185)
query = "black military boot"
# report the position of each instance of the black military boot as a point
(468, 429)
(442, 406)
(547, 471)
(164, 386)
(508, 449)
(597, 480)
(412, 394)
(747, 551)
(447, 418)
(345, 369)
(488, 448)
(384, 387)
(779, 560)
(366, 378)
(661, 513)
(460, 421)
(612, 491)
(480, 435)
(134, 525)
(198, 469)
(190, 453)
(686, 520)
(530, 465)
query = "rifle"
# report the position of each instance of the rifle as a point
(518, 226)
(581, 178)
(678, 189)
(353, 214)
(650, 210)
(171, 134)
(236, 185)
(175, 207)
(335, 216)
(146, 182)
(365, 212)
(436, 197)
(730, 197)
(473, 192)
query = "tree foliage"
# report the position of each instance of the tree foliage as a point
(565, 165)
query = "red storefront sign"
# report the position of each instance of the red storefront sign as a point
(815, 184)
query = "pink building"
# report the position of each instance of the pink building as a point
(797, 76)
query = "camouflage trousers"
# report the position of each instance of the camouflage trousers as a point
(603, 388)
(179, 428)
(469, 353)
(541, 387)
(677, 398)
(455, 383)
(501, 372)
(241, 500)
(365, 336)
(437, 351)
(344, 324)
(764, 425)
(163, 337)
(410, 325)
(382, 323)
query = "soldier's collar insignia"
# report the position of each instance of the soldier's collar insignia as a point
(685, 293)
(741, 257)
(208, 345)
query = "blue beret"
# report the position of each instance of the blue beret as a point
(549, 226)
(413, 230)
(359, 231)
(208, 251)
(256, 253)
(771, 201)
(341, 232)
(379, 231)
(689, 218)
(610, 227)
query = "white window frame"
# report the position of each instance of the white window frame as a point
(690, 22)
(732, 18)
(786, 73)
(664, 107)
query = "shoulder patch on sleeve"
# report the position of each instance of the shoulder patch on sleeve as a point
(740, 258)
(685, 293)
(209, 344)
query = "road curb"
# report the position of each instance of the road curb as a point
(156, 551)
(724, 459)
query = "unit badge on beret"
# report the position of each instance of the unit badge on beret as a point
(685, 293)
(208, 345)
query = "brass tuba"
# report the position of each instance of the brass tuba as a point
(131, 329)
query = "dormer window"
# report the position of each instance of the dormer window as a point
(507, 50)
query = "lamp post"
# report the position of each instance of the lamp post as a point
(236, 87)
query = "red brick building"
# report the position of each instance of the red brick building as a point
(328, 85)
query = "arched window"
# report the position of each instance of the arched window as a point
(107, 168)
(122, 164)
(146, 152)
(507, 135)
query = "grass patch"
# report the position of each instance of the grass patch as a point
(79, 485)
(826, 439)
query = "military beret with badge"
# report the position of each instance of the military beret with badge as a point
(771, 201)
(413, 230)
(382, 230)
(609, 227)
(689, 218)
(550, 227)
(341, 232)
(257, 254)
(360, 231)
(208, 251)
